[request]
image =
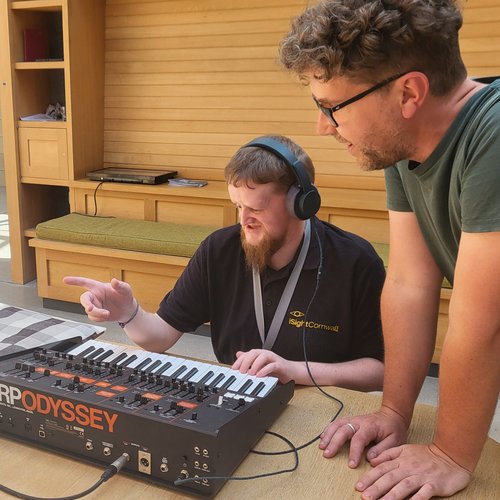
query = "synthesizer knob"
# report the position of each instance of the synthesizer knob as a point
(112, 371)
(137, 397)
(194, 415)
(36, 354)
(97, 371)
(43, 357)
(121, 399)
(58, 382)
(183, 387)
(46, 372)
(191, 389)
(156, 407)
(71, 386)
(119, 371)
(71, 357)
(173, 405)
(144, 400)
(131, 378)
(18, 366)
(76, 379)
(85, 361)
(31, 369)
(69, 364)
(77, 366)
(51, 362)
(144, 377)
(159, 380)
(151, 379)
(81, 387)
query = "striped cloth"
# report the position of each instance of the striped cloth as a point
(23, 330)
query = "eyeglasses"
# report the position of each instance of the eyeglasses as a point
(328, 112)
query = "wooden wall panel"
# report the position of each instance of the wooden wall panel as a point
(189, 81)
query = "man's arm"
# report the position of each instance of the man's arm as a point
(364, 374)
(409, 305)
(410, 301)
(470, 368)
(115, 301)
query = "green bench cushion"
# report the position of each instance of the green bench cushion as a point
(383, 250)
(141, 236)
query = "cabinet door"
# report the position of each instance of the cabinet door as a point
(43, 153)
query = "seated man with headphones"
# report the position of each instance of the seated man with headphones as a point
(279, 288)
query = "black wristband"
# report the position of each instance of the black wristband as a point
(125, 323)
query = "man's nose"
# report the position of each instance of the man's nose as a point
(245, 216)
(323, 125)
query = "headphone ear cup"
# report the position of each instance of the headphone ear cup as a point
(308, 204)
(292, 198)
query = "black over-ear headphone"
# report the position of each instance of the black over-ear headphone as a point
(307, 200)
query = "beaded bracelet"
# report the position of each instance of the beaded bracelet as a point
(124, 324)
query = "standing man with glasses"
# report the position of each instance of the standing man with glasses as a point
(390, 83)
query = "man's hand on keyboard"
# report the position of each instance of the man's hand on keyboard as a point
(263, 363)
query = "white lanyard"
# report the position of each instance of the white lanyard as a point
(272, 334)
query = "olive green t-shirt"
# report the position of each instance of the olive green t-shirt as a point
(458, 187)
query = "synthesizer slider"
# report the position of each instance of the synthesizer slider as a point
(176, 418)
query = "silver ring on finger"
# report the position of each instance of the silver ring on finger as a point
(353, 429)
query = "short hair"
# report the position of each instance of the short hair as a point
(255, 165)
(370, 40)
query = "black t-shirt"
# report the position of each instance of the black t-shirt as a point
(343, 322)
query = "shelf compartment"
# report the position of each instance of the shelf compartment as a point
(38, 32)
(43, 153)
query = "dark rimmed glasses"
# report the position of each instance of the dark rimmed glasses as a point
(328, 112)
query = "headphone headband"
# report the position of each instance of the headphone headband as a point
(307, 201)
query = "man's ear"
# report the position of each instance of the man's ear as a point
(414, 91)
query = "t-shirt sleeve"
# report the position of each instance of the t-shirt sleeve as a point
(396, 196)
(186, 306)
(367, 341)
(480, 195)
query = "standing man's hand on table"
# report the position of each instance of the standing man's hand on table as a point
(423, 471)
(385, 427)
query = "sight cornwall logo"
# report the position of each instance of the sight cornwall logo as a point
(295, 320)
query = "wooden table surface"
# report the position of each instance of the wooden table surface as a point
(38, 472)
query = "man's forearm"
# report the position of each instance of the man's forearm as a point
(409, 318)
(469, 380)
(150, 332)
(364, 374)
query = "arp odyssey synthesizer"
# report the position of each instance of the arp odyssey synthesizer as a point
(174, 417)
